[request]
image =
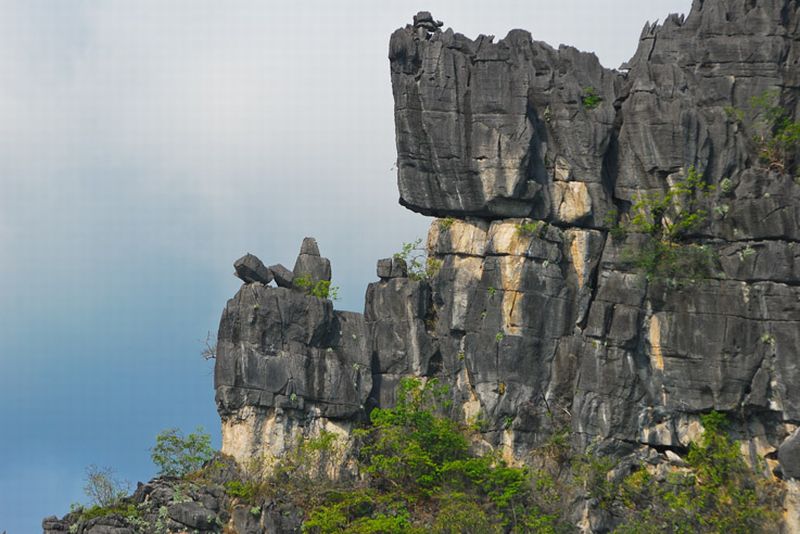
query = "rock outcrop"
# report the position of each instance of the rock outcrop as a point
(288, 362)
(491, 131)
(535, 316)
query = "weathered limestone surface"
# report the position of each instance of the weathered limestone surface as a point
(535, 318)
(288, 365)
(492, 131)
(502, 130)
(498, 129)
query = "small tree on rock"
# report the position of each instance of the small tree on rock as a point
(177, 456)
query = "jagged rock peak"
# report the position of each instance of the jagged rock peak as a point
(425, 20)
(309, 247)
(310, 265)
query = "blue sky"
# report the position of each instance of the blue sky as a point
(146, 145)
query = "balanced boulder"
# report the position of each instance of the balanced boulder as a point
(250, 269)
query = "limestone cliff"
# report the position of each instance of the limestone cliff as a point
(527, 324)
(535, 316)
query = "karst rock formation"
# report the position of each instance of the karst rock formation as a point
(527, 155)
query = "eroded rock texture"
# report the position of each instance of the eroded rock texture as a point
(535, 317)
(488, 131)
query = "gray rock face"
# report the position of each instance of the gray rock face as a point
(399, 343)
(192, 514)
(500, 129)
(279, 348)
(789, 456)
(250, 269)
(288, 364)
(519, 129)
(309, 246)
(392, 268)
(283, 276)
(535, 317)
(310, 266)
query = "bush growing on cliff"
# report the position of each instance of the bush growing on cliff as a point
(107, 495)
(776, 135)
(529, 229)
(420, 265)
(717, 492)
(177, 455)
(590, 99)
(321, 288)
(422, 477)
(666, 220)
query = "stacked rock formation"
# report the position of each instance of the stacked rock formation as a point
(286, 359)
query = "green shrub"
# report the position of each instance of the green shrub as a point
(776, 135)
(177, 456)
(127, 511)
(718, 492)
(458, 512)
(321, 288)
(672, 215)
(420, 265)
(527, 229)
(244, 490)
(676, 263)
(666, 220)
(446, 223)
(615, 228)
(590, 99)
(409, 443)
(361, 511)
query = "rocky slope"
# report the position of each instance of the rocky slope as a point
(533, 311)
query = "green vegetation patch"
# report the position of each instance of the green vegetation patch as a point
(590, 99)
(665, 221)
(321, 288)
(421, 266)
(177, 455)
